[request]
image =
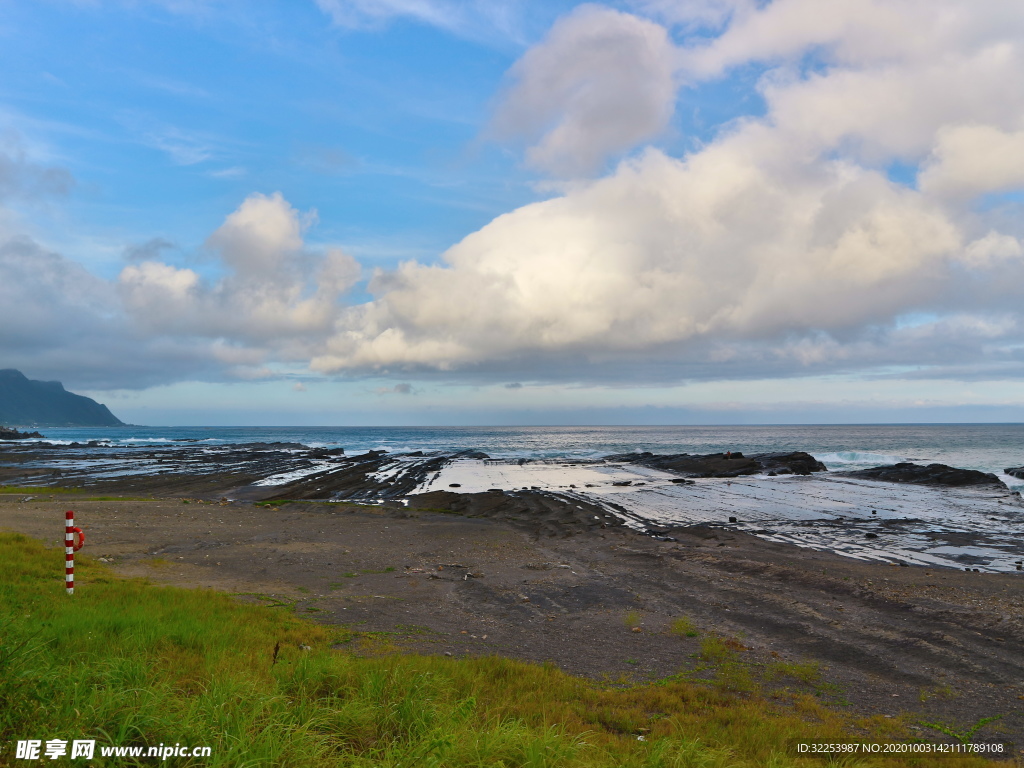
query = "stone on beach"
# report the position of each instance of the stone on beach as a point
(932, 474)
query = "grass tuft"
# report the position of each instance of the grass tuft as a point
(683, 627)
(632, 619)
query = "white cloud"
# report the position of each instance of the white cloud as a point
(472, 19)
(233, 172)
(783, 232)
(182, 146)
(274, 287)
(662, 252)
(264, 236)
(22, 176)
(993, 248)
(600, 83)
(693, 13)
(975, 159)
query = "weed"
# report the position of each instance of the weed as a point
(732, 676)
(808, 672)
(416, 629)
(158, 562)
(37, 489)
(716, 650)
(966, 737)
(683, 627)
(632, 619)
(944, 692)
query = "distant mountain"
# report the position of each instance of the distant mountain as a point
(46, 403)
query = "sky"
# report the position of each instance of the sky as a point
(403, 212)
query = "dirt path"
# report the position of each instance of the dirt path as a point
(943, 644)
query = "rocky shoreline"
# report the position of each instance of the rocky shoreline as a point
(905, 513)
(8, 433)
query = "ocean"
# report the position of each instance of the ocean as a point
(985, 447)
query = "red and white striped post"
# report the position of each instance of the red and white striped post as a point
(69, 550)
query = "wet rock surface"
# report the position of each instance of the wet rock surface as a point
(730, 464)
(931, 474)
(536, 512)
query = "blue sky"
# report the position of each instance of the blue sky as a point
(430, 211)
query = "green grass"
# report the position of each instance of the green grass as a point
(19, 489)
(683, 627)
(808, 672)
(342, 504)
(718, 650)
(128, 663)
(53, 490)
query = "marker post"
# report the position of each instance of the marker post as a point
(69, 550)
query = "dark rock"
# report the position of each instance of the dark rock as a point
(1017, 472)
(320, 453)
(729, 464)
(932, 474)
(470, 455)
(274, 446)
(796, 463)
(634, 458)
(6, 433)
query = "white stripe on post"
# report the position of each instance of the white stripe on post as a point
(69, 552)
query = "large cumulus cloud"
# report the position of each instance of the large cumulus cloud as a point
(275, 292)
(601, 82)
(784, 240)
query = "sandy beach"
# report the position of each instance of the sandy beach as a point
(536, 578)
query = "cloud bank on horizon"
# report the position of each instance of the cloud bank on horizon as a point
(859, 212)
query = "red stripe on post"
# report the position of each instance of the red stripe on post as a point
(69, 557)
